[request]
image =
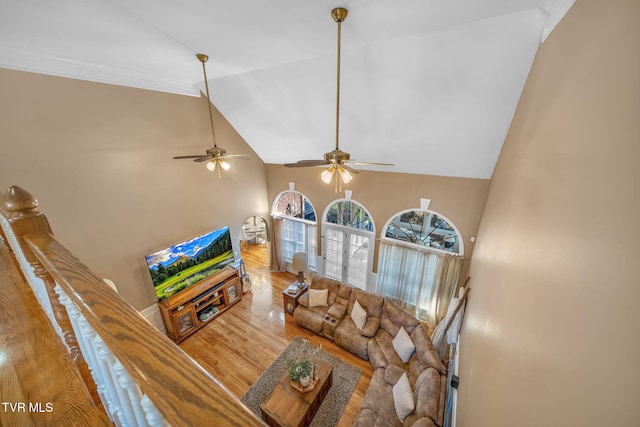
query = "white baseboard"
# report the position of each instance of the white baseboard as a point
(153, 316)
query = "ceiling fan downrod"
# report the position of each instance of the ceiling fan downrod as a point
(338, 14)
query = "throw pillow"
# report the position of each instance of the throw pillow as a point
(403, 345)
(403, 397)
(358, 315)
(318, 297)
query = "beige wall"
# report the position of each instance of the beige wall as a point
(551, 332)
(386, 193)
(99, 159)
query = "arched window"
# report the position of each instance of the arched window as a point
(298, 230)
(425, 228)
(419, 262)
(348, 241)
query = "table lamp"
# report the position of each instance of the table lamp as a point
(299, 264)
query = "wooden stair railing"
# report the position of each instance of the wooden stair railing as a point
(141, 375)
(40, 382)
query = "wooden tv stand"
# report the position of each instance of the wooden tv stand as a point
(193, 307)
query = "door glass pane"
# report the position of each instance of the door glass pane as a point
(333, 254)
(358, 260)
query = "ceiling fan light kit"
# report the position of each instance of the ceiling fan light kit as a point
(216, 156)
(337, 160)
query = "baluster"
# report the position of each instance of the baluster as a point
(154, 418)
(134, 395)
(85, 335)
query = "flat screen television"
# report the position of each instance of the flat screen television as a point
(184, 264)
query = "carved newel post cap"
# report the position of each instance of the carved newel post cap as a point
(16, 200)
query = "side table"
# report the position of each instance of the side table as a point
(291, 300)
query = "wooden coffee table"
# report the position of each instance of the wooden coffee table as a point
(287, 407)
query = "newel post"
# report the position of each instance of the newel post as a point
(24, 217)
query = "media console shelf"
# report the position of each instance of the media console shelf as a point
(192, 308)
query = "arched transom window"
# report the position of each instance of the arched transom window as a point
(294, 204)
(425, 228)
(349, 214)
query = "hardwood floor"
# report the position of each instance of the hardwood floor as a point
(239, 345)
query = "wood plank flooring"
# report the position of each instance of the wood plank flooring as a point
(239, 345)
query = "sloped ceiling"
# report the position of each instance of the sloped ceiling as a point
(429, 86)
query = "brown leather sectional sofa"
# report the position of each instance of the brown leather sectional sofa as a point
(374, 342)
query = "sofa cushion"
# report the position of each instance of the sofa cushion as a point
(358, 315)
(344, 292)
(427, 395)
(318, 297)
(368, 418)
(403, 397)
(309, 318)
(393, 317)
(403, 345)
(319, 282)
(379, 398)
(427, 354)
(351, 338)
(383, 355)
(371, 303)
(337, 311)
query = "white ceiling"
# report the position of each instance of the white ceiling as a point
(430, 86)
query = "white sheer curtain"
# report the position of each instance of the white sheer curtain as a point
(420, 280)
(277, 262)
(291, 236)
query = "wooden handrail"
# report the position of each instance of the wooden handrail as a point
(182, 391)
(37, 368)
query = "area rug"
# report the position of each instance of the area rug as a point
(345, 379)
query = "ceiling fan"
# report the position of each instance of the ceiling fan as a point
(215, 156)
(339, 161)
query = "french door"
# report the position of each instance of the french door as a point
(348, 254)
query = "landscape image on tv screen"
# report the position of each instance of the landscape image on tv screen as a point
(184, 264)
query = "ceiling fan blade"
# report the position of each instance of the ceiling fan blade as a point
(203, 158)
(237, 156)
(348, 169)
(369, 164)
(195, 156)
(306, 163)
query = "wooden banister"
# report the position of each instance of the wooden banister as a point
(181, 391)
(36, 368)
(22, 213)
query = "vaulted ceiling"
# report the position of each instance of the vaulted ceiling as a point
(430, 86)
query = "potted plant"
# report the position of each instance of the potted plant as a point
(299, 370)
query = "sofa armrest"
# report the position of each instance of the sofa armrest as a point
(370, 327)
(304, 300)
(392, 374)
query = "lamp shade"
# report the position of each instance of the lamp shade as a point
(299, 261)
